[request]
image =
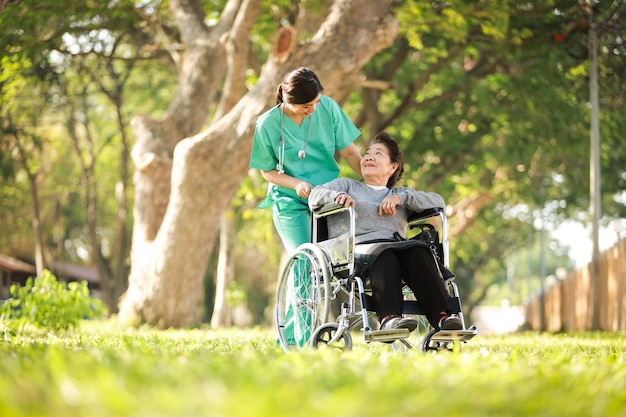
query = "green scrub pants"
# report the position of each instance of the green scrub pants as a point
(292, 220)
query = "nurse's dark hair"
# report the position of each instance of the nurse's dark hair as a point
(395, 155)
(300, 86)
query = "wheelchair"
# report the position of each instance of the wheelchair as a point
(321, 274)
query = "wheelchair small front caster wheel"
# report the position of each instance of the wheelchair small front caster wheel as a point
(429, 345)
(323, 338)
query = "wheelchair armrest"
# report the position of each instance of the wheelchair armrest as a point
(328, 209)
(425, 214)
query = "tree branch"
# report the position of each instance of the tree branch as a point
(203, 67)
(5, 3)
(237, 52)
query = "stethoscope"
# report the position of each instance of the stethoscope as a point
(281, 141)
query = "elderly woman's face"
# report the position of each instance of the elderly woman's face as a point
(377, 163)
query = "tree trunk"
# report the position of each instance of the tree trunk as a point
(222, 312)
(40, 257)
(176, 216)
(120, 264)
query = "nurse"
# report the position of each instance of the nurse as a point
(294, 148)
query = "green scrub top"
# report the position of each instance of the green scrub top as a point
(331, 130)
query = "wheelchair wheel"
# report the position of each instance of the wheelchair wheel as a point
(416, 336)
(322, 337)
(303, 297)
(435, 346)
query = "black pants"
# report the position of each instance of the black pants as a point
(416, 267)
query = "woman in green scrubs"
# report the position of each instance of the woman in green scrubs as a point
(294, 148)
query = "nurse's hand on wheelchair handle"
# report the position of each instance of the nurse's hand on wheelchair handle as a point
(303, 189)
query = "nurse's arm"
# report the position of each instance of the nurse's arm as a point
(352, 155)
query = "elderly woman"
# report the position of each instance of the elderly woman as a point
(381, 247)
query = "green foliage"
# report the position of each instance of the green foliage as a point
(46, 303)
(452, 21)
(101, 371)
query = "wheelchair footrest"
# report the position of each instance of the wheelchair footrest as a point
(386, 335)
(453, 335)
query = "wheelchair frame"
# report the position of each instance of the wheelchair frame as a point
(317, 272)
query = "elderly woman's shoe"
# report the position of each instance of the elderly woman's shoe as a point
(395, 321)
(451, 322)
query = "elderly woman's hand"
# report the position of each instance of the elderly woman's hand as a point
(345, 200)
(388, 206)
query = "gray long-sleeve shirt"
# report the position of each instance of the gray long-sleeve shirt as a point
(369, 225)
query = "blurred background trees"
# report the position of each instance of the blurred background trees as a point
(489, 101)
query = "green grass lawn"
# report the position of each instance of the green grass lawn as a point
(102, 370)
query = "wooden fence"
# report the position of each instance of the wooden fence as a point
(567, 302)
